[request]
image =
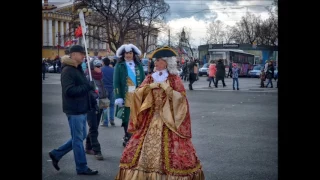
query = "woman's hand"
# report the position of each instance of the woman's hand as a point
(154, 85)
(164, 85)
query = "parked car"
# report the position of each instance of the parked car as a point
(145, 65)
(47, 67)
(256, 71)
(50, 69)
(203, 70)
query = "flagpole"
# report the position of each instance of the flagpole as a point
(83, 28)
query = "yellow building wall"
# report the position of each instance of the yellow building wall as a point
(52, 53)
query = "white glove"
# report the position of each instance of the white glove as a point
(119, 102)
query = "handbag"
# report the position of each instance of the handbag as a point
(120, 112)
(104, 103)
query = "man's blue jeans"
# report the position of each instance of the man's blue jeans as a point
(235, 80)
(111, 108)
(78, 127)
(269, 82)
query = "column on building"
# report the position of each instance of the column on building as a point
(154, 42)
(148, 40)
(96, 41)
(72, 34)
(50, 36)
(91, 34)
(67, 31)
(101, 43)
(104, 45)
(138, 39)
(56, 26)
(45, 33)
(61, 33)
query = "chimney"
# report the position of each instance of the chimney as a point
(45, 2)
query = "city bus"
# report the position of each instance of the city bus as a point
(244, 60)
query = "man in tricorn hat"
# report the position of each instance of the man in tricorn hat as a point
(128, 75)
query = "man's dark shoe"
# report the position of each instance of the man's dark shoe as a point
(98, 156)
(89, 151)
(54, 161)
(112, 123)
(88, 172)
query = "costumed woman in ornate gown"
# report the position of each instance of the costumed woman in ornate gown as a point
(160, 147)
(127, 76)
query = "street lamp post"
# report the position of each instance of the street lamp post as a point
(85, 11)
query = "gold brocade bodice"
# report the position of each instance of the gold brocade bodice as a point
(158, 96)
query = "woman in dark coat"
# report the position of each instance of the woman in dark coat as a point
(221, 72)
(44, 69)
(270, 73)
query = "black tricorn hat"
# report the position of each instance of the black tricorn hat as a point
(165, 51)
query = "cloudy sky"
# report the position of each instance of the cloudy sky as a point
(197, 14)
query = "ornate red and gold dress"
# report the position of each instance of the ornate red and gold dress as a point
(160, 147)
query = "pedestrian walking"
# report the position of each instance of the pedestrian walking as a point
(75, 104)
(193, 72)
(44, 69)
(107, 78)
(212, 72)
(92, 144)
(221, 72)
(270, 74)
(262, 78)
(235, 76)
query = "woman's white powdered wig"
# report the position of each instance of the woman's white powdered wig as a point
(171, 64)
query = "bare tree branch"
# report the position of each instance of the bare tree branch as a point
(148, 18)
(215, 32)
(119, 17)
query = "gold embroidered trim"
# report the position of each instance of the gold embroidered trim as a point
(167, 161)
(136, 154)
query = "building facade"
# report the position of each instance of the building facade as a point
(58, 21)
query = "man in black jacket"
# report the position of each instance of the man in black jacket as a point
(192, 73)
(75, 101)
